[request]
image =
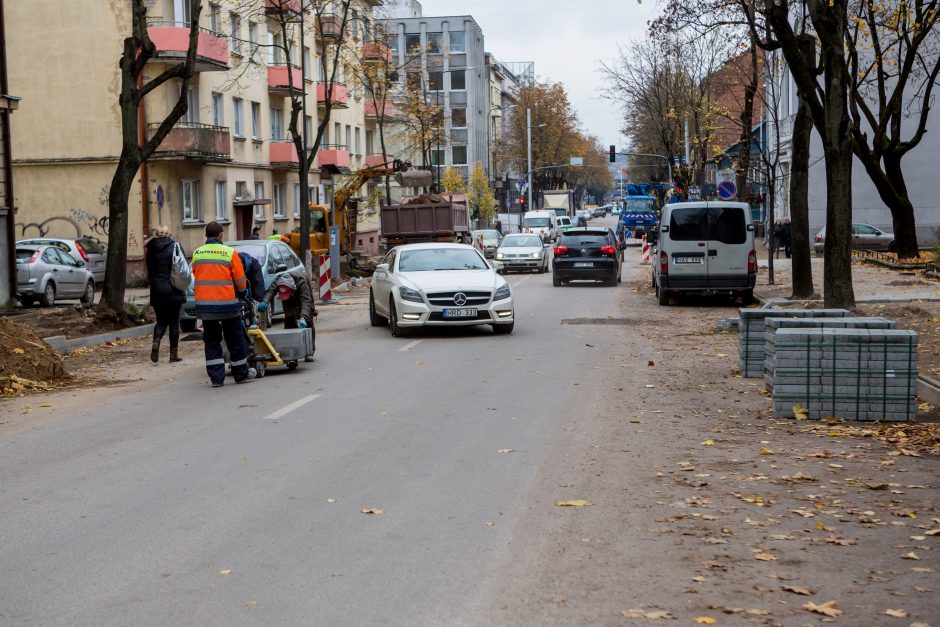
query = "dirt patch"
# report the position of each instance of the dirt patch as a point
(26, 360)
(923, 317)
(75, 321)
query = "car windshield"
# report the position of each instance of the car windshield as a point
(529, 241)
(258, 251)
(433, 259)
(536, 222)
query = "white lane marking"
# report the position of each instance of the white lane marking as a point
(407, 347)
(283, 411)
(523, 280)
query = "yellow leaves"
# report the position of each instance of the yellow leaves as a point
(932, 532)
(705, 620)
(800, 412)
(649, 615)
(799, 590)
(910, 556)
(372, 511)
(419, 363)
(766, 451)
(765, 557)
(840, 541)
(18, 351)
(505, 450)
(46, 405)
(826, 609)
(573, 503)
(225, 571)
(802, 512)
(896, 613)
(708, 442)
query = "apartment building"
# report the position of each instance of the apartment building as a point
(444, 58)
(401, 8)
(503, 96)
(230, 159)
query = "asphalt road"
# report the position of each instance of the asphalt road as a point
(167, 502)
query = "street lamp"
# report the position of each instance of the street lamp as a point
(528, 142)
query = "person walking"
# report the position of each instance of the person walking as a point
(296, 297)
(255, 233)
(220, 280)
(787, 234)
(165, 299)
(499, 227)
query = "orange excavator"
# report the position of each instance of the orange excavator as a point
(320, 214)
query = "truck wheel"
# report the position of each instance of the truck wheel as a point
(662, 296)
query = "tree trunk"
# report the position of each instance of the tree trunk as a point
(747, 121)
(772, 211)
(902, 210)
(802, 265)
(112, 296)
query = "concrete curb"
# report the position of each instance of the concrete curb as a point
(766, 302)
(61, 345)
(928, 390)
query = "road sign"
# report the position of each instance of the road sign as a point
(727, 190)
(521, 184)
(695, 193)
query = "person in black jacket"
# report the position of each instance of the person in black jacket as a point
(165, 299)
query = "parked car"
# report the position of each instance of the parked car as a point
(523, 251)
(705, 248)
(47, 273)
(86, 250)
(490, 241)
(562, 224)
(864, 237)
(439, 284)
(586, 253)
(587, 214)
(274, 256)
(599, 212)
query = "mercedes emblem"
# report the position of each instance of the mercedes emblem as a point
(460, 299)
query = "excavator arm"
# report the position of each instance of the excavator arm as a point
(351, 188)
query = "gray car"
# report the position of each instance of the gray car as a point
(864, 237)
(47, 273)
(490, 241)
(274, 256)
(86, 250)
(523, 251)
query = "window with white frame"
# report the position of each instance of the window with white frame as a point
(277, 123)
(238, 113)
(221, 202)
(259, 194)
(458, 155)
(235, 41)
(192, 105)
(435, 43)
(370, 142)
(215, 23)
(278, 200)
(354, 24)
(306, 63)
(435, 80)
(458, 80)
(189, 200)
(252, 38)
(296, 200)
(358, 143)
(255, 120)
(218, 109)
(308, 131)
(437, 157)
(458, 41)
(458, 117)
(348, 145)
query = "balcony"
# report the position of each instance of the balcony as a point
(333, 159)
(377, 161)
(279, 6)
(340, 95)
(285, 79)
(172, 42)
(371, 110)
(283, 154)
(191, 140)
(330, 28)
(376, 52)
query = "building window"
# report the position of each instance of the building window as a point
(413, 45)
(308, 131)
(413, 80)
(393, 44)
(458, 80)
(370, 142)
(296, 200)
(358, 141)
(238, 113)
(435, 43)
(437, 157)
(218, 109)
(252, 38)
(435, 81)
(277, 198)
(306, 63)
(337, 133)
(181, 12)
(259, 194)
(277, 123)
(190, 201)
(458, 155)
(221, 202)
(214, 21)
(458, 41)
(354, 23)
(192, 105)
(458, 117)
(348, 146)
(255, 120)
(235, 41)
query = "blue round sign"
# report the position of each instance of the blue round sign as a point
(727, 190)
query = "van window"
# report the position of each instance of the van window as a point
(727, 225)
(535, 223)
(688, 224)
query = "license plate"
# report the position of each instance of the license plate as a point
(460, 313)
(583, 264)
(689, 260)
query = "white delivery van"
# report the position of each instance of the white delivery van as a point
(705, 248)
(542, 223)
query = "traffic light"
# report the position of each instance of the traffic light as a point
(522, 202)
(613, 154)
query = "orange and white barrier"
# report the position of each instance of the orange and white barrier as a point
(326, 293)
(646, 250)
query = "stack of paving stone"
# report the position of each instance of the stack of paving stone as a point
(772, 325)
(752, 332)
(855, 374)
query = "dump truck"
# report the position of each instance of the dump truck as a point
(428, 218)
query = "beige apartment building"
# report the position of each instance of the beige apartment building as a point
(230, 159)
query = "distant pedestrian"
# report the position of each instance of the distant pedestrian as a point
(255, 233)
(778, 236)
(165, 299)
(499, 227)
(220, 280)
(787, 235)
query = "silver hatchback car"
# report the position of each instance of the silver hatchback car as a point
(86, 250)
(46, 273)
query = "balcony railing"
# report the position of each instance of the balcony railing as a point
(371, 110)
(339, 92)
(376, 52)
(333, 158)
(283, 154)
(285, 78)
(191, 140)
(377, 161)
(329, 27)
(172, 42)
(277, 6)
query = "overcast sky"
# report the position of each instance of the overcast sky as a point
(567, 40)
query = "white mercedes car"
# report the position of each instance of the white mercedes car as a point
(441, 285)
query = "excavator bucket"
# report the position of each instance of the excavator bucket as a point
(414, 178)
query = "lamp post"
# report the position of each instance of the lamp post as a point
(528, 149)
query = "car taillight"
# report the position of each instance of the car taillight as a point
(663, 263)
(607, 249)
(34, 258)
(561, 249)
(81, 251)
(819, 237)
(752, 262)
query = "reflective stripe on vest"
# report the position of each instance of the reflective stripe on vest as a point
(218, 278)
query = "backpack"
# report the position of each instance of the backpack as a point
(181, 275)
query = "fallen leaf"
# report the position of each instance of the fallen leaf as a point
(705, 620)
(653, 615)
(765, 557)
(560, 599)
(826, 609)
(708, 442)
(331, 500)
(372, 510)
(20, 351)
(932, 532)
(650, 364)
(505, 450)
(699, 579)
(490, 523)
(46, 405)
(876, 486)
(799, 590)
(800, 412)
(225, 571)
(419, 363)
(910, 556)
(766, 451)
(840, 541)
(575, 503)
(896, 613)
(252, 603)
(576, 383)
(922, 570)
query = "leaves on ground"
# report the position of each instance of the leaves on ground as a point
(826, 609)
(373, 511)
(705, 620)
(574, 503)
(648, 614)
(505, 450)
(896, 613)
(799, 590)
(766, 451)
(225, 571)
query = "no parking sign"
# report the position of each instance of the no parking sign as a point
(727, 190)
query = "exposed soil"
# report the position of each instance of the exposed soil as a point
(923, 317)
(26, 361)
(75, 321)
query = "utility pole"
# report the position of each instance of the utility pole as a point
(528, 141)
(688, 154)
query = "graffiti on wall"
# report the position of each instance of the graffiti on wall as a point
(77, 223)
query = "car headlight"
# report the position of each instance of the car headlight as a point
(535, 255)
(407, 293)
(500, 256)
(502, 293)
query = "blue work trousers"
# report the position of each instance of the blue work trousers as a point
(234, 333)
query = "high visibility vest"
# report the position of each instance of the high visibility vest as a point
(219, 278)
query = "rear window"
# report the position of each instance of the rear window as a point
(585, 239)
(91, 246)
(23, 255)
(722, 224)
(688, 224)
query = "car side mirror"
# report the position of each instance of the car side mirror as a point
(281, 268)
(664, 228)
(750, 227)
(382, 267)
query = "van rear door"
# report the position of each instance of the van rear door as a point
(688, 231)
(728, 247)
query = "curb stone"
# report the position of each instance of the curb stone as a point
(61, 345)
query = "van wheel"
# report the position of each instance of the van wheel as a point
(662, 296)
(747, 298)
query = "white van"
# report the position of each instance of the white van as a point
(705, 248)
(542, 223)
